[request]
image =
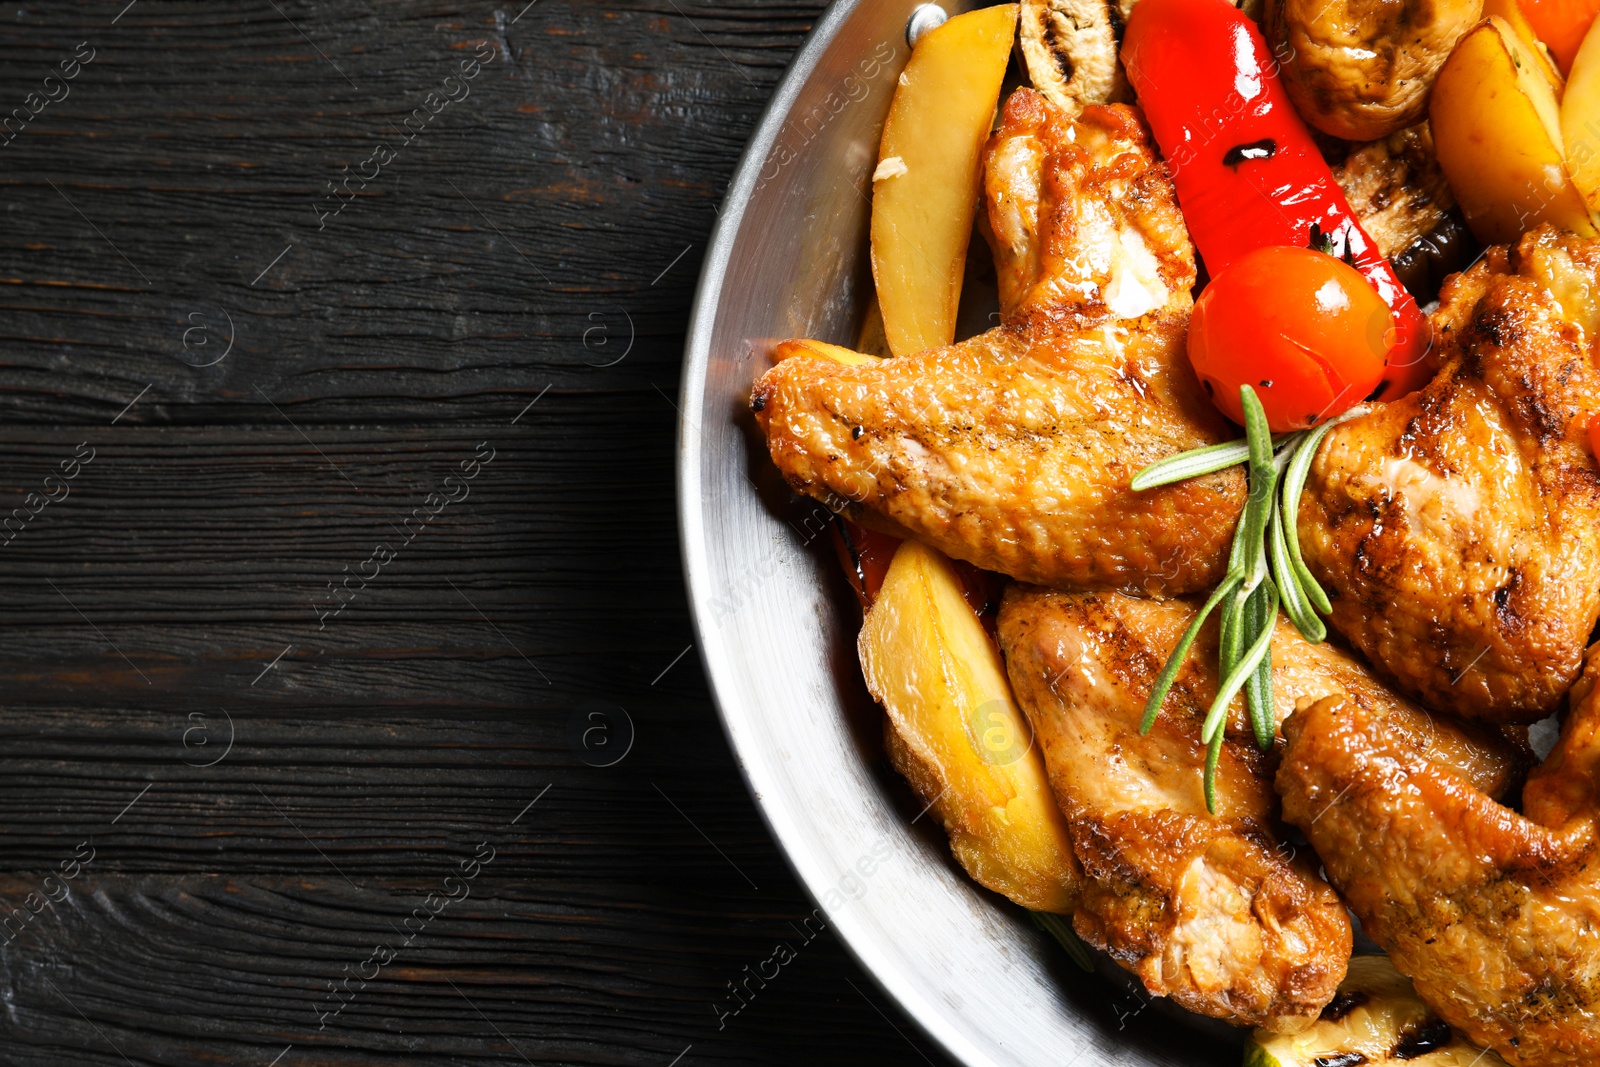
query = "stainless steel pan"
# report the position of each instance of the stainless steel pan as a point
(776, 625)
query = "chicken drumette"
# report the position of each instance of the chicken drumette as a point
(1014, 450)
(1219, 913)
(1494, 915)
(1459, 528)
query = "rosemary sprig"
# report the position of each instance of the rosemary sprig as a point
(1298, 603)
(1197, 461)
(1265, 570)
(1294, 481)
(1191, 464)
(1261, 613)
(1243, 666)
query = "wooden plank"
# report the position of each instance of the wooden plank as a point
(526, 236)
(537, 241)
(210, 969)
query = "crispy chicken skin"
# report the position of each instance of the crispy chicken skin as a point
(1495, 916)
(1459, 528)
(1082, 219)
(1361, 69)
(1014, 450)
(1216, 912)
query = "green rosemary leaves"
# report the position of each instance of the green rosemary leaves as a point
(1265, 571)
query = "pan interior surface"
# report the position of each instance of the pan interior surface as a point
(777, 631)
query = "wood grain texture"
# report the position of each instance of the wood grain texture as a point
(269, 793)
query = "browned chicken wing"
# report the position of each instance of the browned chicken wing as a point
(1495, 916)
(1216, 912)
(1014, 450)
(1459, 528)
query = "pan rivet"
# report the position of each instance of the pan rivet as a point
(926, 17)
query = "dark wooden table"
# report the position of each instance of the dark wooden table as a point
(338, 548)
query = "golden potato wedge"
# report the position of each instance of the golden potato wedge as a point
(958, 735)
(797, 346)
(925, 190)
(1580, 119)
(1497, 133)
(1511, 11)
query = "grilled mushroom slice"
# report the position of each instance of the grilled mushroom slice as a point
(1070, 47)
(1396, 188)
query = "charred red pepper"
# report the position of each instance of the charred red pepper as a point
(865, 555)
(1246, 169)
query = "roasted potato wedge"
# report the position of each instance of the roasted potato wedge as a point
(957, 735)
(799, 346)
(925, 189)
(1511, 11)
(1497, 132)
(1580, 119)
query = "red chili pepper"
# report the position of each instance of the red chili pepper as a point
(1247, 172)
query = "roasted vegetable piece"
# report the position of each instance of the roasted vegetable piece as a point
(1396, 188)
(1375, 1019)
(1070, 47)
(1580, 120)
(1425, 264)
(1400, 194)
(1303, 329)
(958, 736)
(804, 346)
(1497, 132)
(865, 556)
(925, 190)
(1512, 12)
(1361, 69)
(1247, 172)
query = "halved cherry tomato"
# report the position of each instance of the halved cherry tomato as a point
(1303, 328)
(1594, 434)
(1561, 24)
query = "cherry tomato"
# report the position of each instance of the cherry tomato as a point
(1246, 169)
(1594, 434)
(1303, 328)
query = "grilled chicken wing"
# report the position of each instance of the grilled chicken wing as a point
(1014, 450)
(1216, 912)
(1460, 526)
(1495, 916)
